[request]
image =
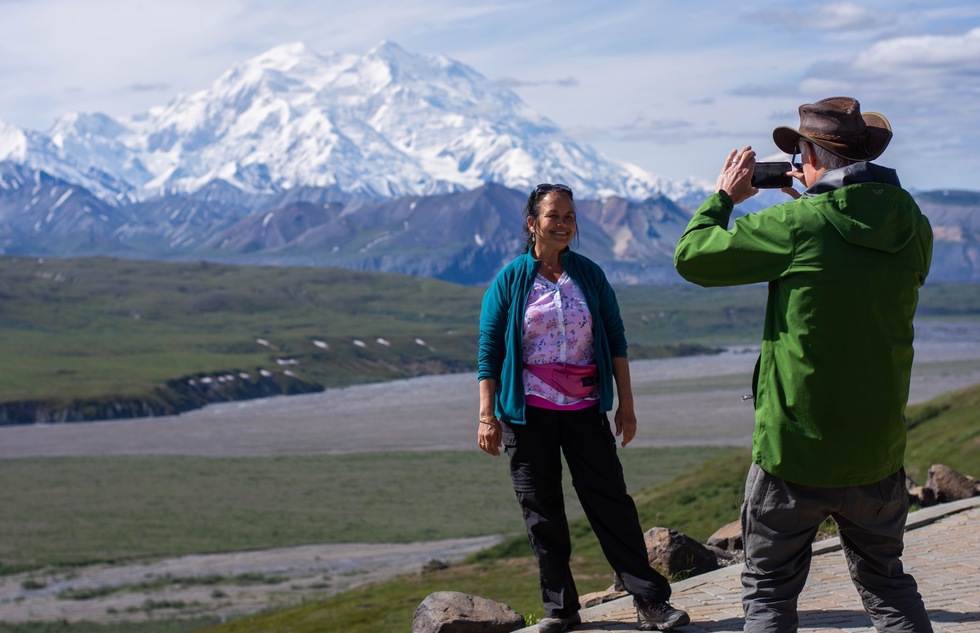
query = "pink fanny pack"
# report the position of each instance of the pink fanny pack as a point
(575, 381)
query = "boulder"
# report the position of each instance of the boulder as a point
(728, 537)
(950, 485)
(922, 497)
(455, 612)
(434, 565)
(726, 558)
(677, 555)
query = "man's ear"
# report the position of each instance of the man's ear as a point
(811, 156)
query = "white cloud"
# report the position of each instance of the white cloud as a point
(932, 78)
(847, 16)
(88, 56)
(841, 16)
(940, 56)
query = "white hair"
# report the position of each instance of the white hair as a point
(827, 159)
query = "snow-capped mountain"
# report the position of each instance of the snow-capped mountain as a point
(13, 143)
(383, 124)
(384, 161)
(39, 151)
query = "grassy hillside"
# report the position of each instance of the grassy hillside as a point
(946, 430)
(98, 329)
(112, 509)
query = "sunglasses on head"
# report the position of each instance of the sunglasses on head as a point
(545, 187)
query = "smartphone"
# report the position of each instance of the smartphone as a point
(772, 176)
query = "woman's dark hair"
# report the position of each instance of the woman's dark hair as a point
(533, 207)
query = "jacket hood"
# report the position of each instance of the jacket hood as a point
(867, 205)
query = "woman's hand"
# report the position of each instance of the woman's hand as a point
(625, 424)
(625, 418)
(489, 435)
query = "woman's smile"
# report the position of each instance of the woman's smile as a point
(556, 221)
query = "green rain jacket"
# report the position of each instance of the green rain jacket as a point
(844, 264)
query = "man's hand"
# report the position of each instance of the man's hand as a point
(735, 178)
(790, 191)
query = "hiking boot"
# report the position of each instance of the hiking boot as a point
(660, 616)
(557, 625)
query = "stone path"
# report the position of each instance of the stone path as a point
(942, 551)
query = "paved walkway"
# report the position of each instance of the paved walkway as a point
(942, 551)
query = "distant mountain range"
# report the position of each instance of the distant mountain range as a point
(387, 161)
(464, 237)
(384, 124)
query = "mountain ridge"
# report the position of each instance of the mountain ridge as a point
(462, 237)
(387, 123)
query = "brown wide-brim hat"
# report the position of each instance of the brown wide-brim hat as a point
(837, 125)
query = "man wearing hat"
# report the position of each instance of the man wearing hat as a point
(844, 262)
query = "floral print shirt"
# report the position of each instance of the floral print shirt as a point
(557, 329)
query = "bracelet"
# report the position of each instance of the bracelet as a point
(489, 421)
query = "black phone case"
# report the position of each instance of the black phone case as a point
(772, 176)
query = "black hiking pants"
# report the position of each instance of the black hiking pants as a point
(589, 446)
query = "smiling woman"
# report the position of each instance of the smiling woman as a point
(551, 343)
(550, 227)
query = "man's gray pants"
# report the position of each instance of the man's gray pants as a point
(779, 523)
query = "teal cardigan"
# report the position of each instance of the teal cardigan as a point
(502, 329)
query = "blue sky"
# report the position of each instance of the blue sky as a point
(670, 86)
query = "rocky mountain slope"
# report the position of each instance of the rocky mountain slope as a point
(463, 237)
